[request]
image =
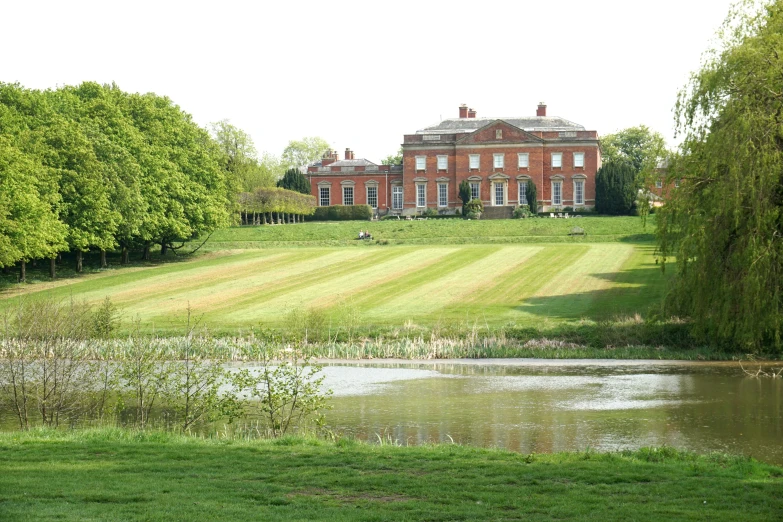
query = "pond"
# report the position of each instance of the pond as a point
(549, 406)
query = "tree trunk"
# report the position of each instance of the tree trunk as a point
(53, 268)
(6, 270)
(103, 259)
(164, 247)
(125, 258)
(79, 261)
(23, 271)
(145, 255)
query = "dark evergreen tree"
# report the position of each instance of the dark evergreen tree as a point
(615, 189)
(464, 192)
(293, 179)
(530, 193)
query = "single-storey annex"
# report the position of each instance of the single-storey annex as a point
(497, 156)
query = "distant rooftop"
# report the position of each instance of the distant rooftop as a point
(529, 123)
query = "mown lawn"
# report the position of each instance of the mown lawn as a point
(499, 284)
(116, 475)
(435, 231)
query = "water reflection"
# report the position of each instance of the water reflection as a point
(560, 406)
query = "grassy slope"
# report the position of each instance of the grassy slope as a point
(383, 285)
(115, 475)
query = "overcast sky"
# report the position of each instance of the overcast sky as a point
(363, 73)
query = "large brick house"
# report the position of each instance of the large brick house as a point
(497, 156)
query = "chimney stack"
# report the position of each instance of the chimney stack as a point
(463, 111)
(328, 158)
(348, 154)
(471, 113)
(541, 109)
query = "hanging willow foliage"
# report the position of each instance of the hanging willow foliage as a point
(722, 227)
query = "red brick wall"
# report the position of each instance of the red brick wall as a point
(359, 191)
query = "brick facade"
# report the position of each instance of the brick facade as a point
(486, 152)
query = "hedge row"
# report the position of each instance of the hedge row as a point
(342, 213)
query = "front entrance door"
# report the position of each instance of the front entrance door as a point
(500, 199)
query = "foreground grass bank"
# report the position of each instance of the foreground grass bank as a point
(121, 475)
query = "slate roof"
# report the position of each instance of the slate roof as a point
(530, 123)
(360, 162)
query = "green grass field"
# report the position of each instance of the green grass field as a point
(122, 475)
(498, 284)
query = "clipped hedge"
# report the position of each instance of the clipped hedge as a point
(342, 213)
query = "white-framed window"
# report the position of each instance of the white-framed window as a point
(397, 197)
(474, 161)
(443, 162)
(523, 192)
(579, 159)
(498, 160)
(499, 200)
(499, 134)
(474, 190)
(557, 193)
(443, 194)
(524, 160)
(372, 196)
(347, 195)
(323, 199)
(421, 195)
(421, 162)
(658, 183)
(557, 160)
(579, 192)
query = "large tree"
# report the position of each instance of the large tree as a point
(301, 153)
(725, 222)
(293, 179)
(639, 146)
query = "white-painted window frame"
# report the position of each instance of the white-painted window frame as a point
(474, 161)
(498, 160)
(421, 163)
(557, 193)
(523, 160)
(421, 195)
(443, 195)
(557, 160)
(321, 196)
(523, 192)
(443, 162)
(579, 192)
(579, 160)
(475, 194)
(345, 198)
(397, 197)
(370, 198)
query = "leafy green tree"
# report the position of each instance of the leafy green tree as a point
(393, 159)
(616, 189)
(724, 223)
(293, 179)
(639, 146)
(530, 193)
(301, 153)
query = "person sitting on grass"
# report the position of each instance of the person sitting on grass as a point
(361, 234)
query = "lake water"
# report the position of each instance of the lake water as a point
(550, 406)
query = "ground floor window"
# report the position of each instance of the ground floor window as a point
(499, 199)
(474, 191)
(579, 192)
(372, 196)
(557, 193)
(523, 192)
(397, 197)
(421, 195)
(443, 195)
(347, 195)
(324, 196)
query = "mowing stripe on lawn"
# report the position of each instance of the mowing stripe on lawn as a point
(242, 292)
(500, 299)
(451, 287)
(335, 288)
(571, 291)
(404, 278)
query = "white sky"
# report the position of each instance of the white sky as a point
(363, 73)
